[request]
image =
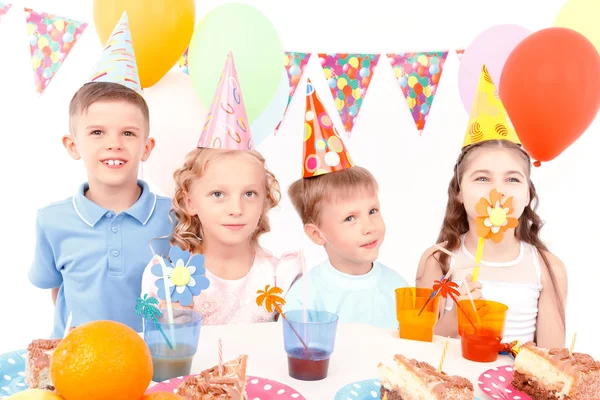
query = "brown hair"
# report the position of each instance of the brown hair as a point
(93, 92)
(456, 222)
(188, 230)
(308, 194)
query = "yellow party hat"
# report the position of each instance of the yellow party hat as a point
(489, 119)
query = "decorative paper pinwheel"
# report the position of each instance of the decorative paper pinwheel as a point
(147, 307)
(185, 276)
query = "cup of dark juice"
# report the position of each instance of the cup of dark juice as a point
(183, 335)
(317, 329)
(481, 329)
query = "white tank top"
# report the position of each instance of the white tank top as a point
(516, 283)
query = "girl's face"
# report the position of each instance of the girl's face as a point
(494, 168)
(229, 199)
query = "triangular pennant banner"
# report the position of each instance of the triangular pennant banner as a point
(459, 53)
(348, 76)
(4, 9)
(50, 40)
(183, 62)
(294, 64)
(418, 75)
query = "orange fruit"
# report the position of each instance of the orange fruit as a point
(162, 396)
(101, 360)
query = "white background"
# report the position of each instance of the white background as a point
(36, 170)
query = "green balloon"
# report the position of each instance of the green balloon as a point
(257, 54)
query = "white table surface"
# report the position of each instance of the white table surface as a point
(358, 350)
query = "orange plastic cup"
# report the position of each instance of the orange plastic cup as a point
(409, 301)
(481, 343)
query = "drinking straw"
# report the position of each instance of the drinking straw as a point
(304, 293)
(168, 298)
(478, 256)
(68, 326)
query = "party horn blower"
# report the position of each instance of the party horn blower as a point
(272, 301)
(492, 222)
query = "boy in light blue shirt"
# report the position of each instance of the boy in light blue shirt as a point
(92, 248)
(339, 207)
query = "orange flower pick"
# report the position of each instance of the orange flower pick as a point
(492, 222)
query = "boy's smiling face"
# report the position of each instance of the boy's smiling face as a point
(350, 229)
(111, 137)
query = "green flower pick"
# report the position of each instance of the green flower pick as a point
(147, 306)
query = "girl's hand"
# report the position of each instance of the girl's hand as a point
(470, 286)
(163, 304)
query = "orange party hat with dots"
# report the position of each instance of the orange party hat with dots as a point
(118, 63)
(489, 119)
(324, 150)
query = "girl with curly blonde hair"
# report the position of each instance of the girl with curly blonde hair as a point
(221, 207)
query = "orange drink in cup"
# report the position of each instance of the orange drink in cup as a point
(409, 302)
(480, 337)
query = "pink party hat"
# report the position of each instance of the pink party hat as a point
(226, 125)
(118, 63)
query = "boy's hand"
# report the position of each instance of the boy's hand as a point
(470, 286)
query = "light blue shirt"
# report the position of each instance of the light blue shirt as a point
(367, 299)
(96, 257)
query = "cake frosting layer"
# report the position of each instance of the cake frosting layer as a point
(216, 383)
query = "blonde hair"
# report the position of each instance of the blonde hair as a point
(188, 229)
(308, 194)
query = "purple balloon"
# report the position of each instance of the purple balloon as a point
(492, 48)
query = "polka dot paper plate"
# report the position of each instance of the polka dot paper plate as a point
(256, 388)
(363, 390)
(495, 383)
(12, 373)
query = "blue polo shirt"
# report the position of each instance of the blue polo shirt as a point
(98, 257)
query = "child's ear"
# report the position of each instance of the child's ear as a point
(68, 142)
(314, 234)
(150, 142)
(188, 205)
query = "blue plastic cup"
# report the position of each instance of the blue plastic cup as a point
(317, 329)
(182, 336)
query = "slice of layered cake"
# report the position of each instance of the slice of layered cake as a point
(37, 365)
(556, 374)
(412, 379)
(213, 384)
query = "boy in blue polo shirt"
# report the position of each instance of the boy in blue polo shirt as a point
(92, 248)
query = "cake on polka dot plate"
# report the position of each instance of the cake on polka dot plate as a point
(409, 379)
(213, 383)
(547, 374)
(37, 366)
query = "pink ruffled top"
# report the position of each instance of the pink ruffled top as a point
(234, 301)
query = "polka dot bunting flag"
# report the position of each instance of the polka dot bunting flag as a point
(324, 150)
(51, 38)
(4, 9)
(226, 125)
(348, 76)
(118, 63)
(294, 64)
(418, 75)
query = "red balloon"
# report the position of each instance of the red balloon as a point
(418, 88)
(550, 86)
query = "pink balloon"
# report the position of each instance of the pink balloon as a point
(176, 121)
(492, 48)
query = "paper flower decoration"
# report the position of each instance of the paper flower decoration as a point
(185, 276)
(147, 307)
(494, 217)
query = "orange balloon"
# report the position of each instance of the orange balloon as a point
(550, 86)
(161, 30)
